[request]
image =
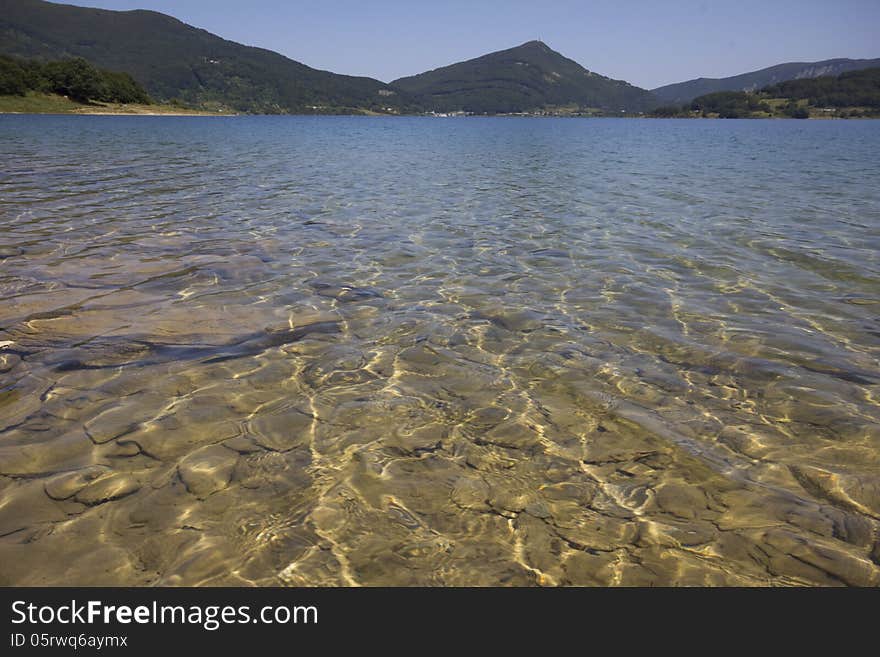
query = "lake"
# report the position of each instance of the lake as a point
(413, 351)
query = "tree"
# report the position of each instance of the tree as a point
(795, 111)
(75, 78)
(12, 78)
(122, 88)
(668, 111)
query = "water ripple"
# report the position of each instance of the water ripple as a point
(323, 351)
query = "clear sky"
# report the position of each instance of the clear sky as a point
(646, 42)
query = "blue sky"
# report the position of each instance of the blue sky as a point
(648, 43)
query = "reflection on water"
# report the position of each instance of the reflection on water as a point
(335, 351)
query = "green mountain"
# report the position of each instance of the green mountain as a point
(173, 60)
(851, 89)
(526, 78)
(685, 92)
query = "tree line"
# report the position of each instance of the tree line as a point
(75, 78)
(855, 89)
(851, 89)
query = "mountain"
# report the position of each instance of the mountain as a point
(177, 62)
(685, 92)
(853, 94)
(528, 77)
(173, 60)
(859, 91)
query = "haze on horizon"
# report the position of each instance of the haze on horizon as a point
(646, 43)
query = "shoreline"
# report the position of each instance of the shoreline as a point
(116, 114)
(133, 111)
(54, 104)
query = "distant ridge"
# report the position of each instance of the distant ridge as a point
(684, 92)
(529, 77)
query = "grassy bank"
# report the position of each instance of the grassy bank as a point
(40, 103)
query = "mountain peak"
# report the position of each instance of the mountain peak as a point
(525, 78)
(535, 46)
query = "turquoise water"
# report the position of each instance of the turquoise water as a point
(358, 350)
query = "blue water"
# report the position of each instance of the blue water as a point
(564, 351)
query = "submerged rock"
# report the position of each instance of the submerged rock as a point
(106, 489)
(859, 493)
(513, 435)
(523, 321)
(8, 362)
(281, 431)
(24, 506)
(471, 493)
(64, 486)
(345, 293)
(681, 500)
(125, 417)
(207, 470)
(66, 452)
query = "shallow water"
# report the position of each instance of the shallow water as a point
(335, 351)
